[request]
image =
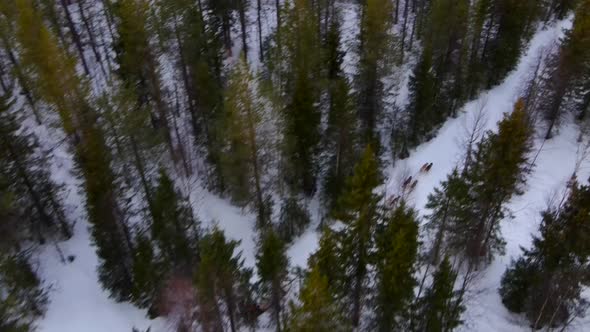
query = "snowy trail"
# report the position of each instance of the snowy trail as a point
(79, 304)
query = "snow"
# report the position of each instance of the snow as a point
(79, 304)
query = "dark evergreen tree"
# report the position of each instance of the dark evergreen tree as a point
(375, 51)
(37, 196)
(220, 279)
(340, 138)
(395, 262)
(293, 220)
(272, 264)
(546, 282)
(138, 67)
(174, 229)
(23, 298)
(60, 86)
(441, 307)
(359, 209)
(317, 310)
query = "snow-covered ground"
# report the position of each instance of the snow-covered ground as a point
(79, 304)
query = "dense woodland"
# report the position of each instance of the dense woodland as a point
(145, 93)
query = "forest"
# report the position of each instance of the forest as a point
(130, 128)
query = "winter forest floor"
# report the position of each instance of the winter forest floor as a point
(79, 304)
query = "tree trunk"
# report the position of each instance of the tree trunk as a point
(21, 79)
(259, 19)
(75, 36)
(93, 44)
(404, 30)
(243, 25)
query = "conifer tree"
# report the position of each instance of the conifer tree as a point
(272, 264)
(301, 52)
(375, 48)
(220, 278)
(173, 228)
(317, 309)
(138, 67)
(328, 260)
(23, 299)
(568, 69)
(441, 307)
(546, 282)
(467, 212)
(341, 143)
(36, 194)
(358, 208)
(395, 263)
(496, 173)
(60, 87)
(244, 141)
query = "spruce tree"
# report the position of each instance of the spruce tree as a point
(173, 227)
(272, 264)
(467, 211)
(138, 66)
(395, 262)
(316, 309)
(375, 50)
(220, 278)
(546, 282)
(59, 86)
(441, 307)
(27, 167)
(359, 210)
(244, 142)
(23, 298)
(341, 144)
(301, 52)
(497, 172)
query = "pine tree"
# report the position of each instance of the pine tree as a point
(301, 50)
(328, 260)
(173, 228)
(317, 309)
(467, 211)
(220, 278)
(500, 29)
(272, 264)
(340, 136)
(546, 282)
(244, 141)
(395, 263)
(60, 87)
(568, 69)
(441, 307)
(138, 66)
(293, 220)
(358, 208)
(375, 48)
(36, 194)
(496, 173)
(23, 298)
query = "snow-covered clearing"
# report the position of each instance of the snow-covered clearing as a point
(79, 304)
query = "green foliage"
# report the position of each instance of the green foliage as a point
(294, 219)
(395, 263)
(173, 228)
(147, 275)
(272, 264)
(441, 306)
(36, 195)
(468, 209)
(222, 277)
(317, 309)
(23, 298)
(243, 142)
(375, 50)
(546, 282)
(358, 208)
